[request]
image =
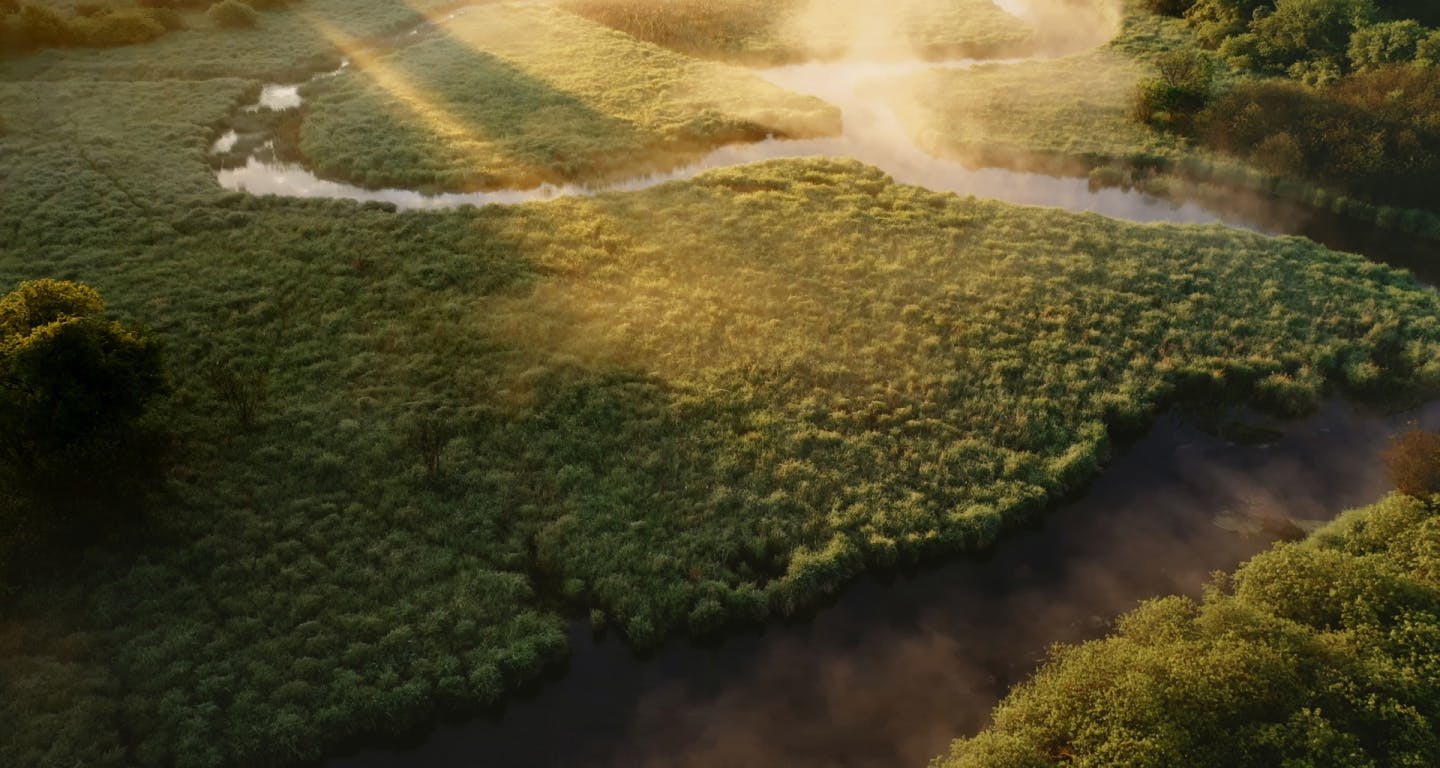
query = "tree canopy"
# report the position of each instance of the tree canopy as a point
(73, 388)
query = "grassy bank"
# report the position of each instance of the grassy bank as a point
(1316, 653)
(485, 102)
(762, 32)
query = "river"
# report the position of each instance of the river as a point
(898, 666)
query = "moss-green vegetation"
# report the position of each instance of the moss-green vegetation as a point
(1320, 653)
(411, 443)
(706, 401)
(291, 41)
(486, 102)
(771, 32)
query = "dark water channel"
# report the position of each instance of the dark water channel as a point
(897, 667)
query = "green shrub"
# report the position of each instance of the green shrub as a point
(1414, 462)
(73, 389)
(1174, 98)
(232, 14)
(1377, 45)
(1319, 653)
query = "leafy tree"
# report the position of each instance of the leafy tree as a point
(1301, 30)
(1216, 20)
(73, 388)
(1182, 89)
(1394, 42)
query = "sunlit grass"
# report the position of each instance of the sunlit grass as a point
(765, 32)
(519, 94)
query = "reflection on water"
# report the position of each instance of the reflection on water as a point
(278, 98)
(872, 134)
(895, 669)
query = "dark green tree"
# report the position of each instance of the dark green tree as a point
(75, 453)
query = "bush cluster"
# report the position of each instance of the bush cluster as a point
(1320, 653)
(1316, 41)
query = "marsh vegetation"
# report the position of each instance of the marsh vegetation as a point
(408, 445)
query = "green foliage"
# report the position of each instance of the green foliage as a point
(1427, 51)
(1414, 462)
(1378, 45)
(1320, 653)
(1309, 31)
(1373, 133)
(232, 14)
(1183, 88)
(1314, 41)
(73, 387)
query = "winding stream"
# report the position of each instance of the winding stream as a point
(871, 133)
(897, 667)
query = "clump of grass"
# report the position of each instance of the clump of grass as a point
(1414, 462)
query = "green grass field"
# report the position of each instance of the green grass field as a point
(703, 403)
(769, 32)
(485, 102)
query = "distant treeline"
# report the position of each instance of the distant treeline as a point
(1343, 93)
(1312, 40)
(28, 26)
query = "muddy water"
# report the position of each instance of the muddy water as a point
(895, 668)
